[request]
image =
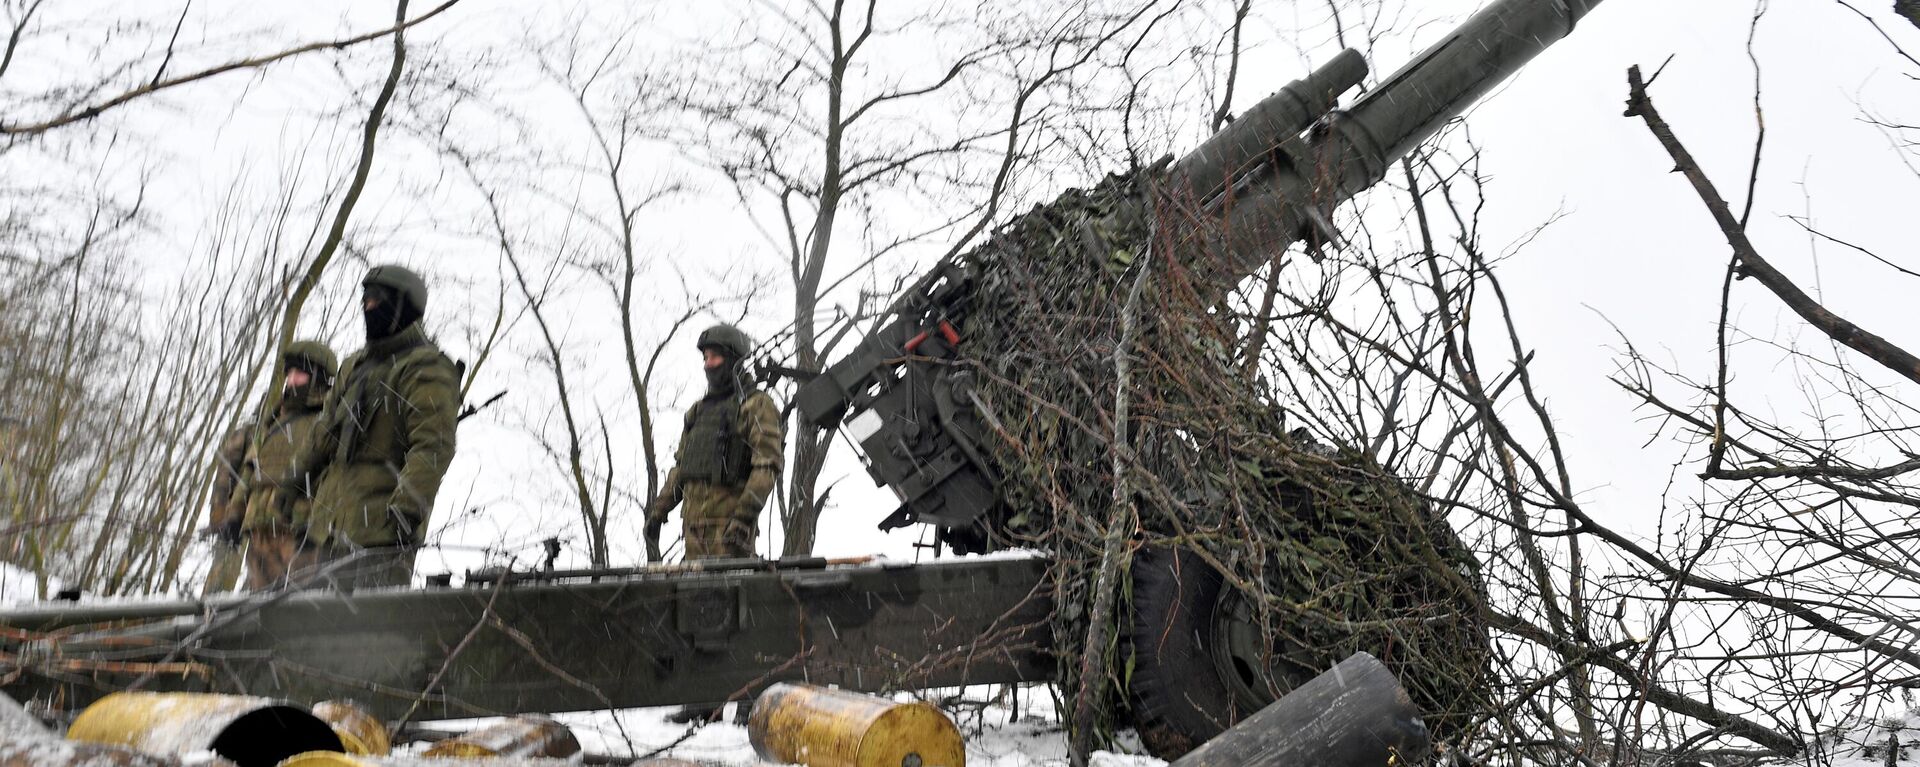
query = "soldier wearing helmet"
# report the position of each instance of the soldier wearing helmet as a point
(728, 459)
(258, 520)
(374, 461)
(725, 468)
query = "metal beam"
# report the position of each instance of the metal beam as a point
(569, 644)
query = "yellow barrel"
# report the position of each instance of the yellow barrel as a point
(820, 727)
(519, 737)
(251, 732)
(359, 732)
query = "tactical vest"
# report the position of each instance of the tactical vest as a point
(712, 449)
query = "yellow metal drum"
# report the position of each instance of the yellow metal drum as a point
(359, 732)
(251, 732)
(519, 737)
(820, 727)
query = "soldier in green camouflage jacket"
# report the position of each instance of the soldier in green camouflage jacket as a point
(384, 440)
(729, 458)
(272, 551)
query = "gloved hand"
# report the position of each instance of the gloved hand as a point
(229, 533)
(406, 526)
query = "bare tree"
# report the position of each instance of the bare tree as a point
(92, 102)
(817, 138)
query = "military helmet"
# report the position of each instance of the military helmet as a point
(400, 280)
(730, 341)
(316, 353)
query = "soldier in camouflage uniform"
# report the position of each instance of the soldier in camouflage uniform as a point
(374, 461)
(267, 525)
(729, 456)
(725, 468)
(226, 509)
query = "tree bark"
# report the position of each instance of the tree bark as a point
(1115, 550)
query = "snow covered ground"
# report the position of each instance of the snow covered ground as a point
(18, 586)
(1037, 740)
(993, 737)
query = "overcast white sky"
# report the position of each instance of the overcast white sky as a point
(1634, 248)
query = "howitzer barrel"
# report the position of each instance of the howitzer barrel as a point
(1361, 144)
(1252, 136)
(1447, 78)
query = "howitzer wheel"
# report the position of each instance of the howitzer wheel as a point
(1199, 658)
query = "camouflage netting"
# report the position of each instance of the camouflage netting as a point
(1332, 553)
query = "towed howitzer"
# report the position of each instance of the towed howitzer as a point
(1268, 180)
(561, 641)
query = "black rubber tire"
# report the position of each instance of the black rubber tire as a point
(1178, 699)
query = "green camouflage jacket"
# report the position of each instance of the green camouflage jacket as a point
(383, 442)
(269, 457)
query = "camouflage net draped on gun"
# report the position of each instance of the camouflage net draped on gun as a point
(1324, 551)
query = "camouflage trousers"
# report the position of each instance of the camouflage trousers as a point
(271, 555)
(715, 523)
(224, 573)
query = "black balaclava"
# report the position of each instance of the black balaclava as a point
(391, 312)
(723, 379)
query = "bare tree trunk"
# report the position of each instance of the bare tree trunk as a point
(13, 37)
(1091, 699)
(810, 442)
(290, 320)
(593, 520)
